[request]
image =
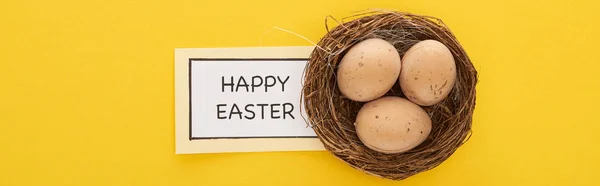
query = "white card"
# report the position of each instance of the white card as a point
(245, 98)
(241, 100)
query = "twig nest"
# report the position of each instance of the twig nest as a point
(446, 108)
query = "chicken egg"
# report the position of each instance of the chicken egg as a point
(368, 70)
(392, 124)
(428, 72)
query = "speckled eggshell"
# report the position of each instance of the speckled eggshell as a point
(368, 70)
(428, 72)
(392, 124)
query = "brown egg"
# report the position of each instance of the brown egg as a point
(392, 125)
(368, 70)
(428, 72)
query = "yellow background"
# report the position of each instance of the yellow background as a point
(86, 91)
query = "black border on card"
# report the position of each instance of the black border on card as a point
(230, 59)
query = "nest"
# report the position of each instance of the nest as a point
(332, 116)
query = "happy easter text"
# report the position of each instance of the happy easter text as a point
(253, 84)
